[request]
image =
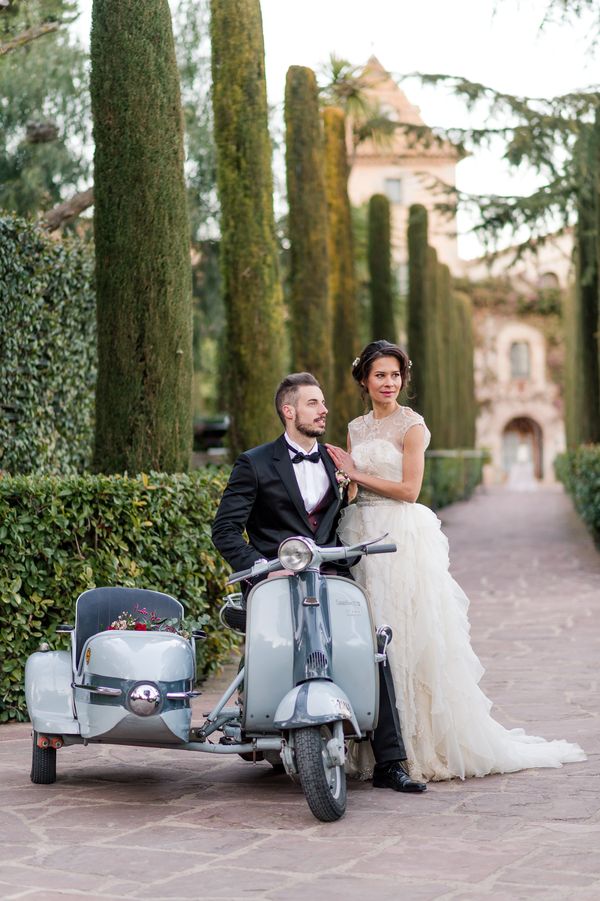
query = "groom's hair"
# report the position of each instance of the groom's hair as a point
(288, 390)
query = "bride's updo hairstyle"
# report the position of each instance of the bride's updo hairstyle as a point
(373, 351)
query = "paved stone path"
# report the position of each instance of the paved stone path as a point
(130, 823)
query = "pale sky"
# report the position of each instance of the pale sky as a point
(503, 49)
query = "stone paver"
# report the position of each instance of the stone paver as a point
(152, 824)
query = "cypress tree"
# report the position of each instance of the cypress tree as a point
(311, 337)
(380, 269)
(143, 408)
(446, 363)
(252, 292)
(432, 410)
(467, 406)
(342, 281)
(417, 303)
(583, 309)
(582, 341)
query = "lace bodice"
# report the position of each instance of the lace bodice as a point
(377, 447)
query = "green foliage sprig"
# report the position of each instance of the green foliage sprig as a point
(59, 537)
(47, 351)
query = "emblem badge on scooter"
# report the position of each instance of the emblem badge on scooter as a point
(88, 654)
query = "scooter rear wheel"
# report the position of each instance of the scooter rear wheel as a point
(324, 785)
(43, 763)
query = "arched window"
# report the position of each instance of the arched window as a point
(548, 280)
(519, 360)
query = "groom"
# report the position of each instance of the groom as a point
(288, 487)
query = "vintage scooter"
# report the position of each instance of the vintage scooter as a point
(309, 681)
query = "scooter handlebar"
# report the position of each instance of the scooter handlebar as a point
(262, 567)
(258, 569)
(381, 549)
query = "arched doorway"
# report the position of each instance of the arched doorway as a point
(522, 451)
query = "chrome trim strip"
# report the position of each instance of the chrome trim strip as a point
(182, 695)
(99, 689)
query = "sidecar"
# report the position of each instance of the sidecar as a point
(113, 686)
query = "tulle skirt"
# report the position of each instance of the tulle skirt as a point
(446, 723)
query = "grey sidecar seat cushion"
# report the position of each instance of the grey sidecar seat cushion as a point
(99, 607)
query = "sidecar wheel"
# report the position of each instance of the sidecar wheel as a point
(43, 764)
(324, 786)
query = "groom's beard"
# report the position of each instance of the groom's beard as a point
(311, 429)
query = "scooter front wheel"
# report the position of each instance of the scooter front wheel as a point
(323, 784)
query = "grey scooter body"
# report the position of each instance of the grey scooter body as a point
(311, 655)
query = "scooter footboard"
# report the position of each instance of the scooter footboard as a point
(313, 703)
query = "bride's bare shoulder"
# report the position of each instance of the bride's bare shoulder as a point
(410, 415)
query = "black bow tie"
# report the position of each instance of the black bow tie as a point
(299, 457)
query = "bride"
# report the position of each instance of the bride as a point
(446, 723)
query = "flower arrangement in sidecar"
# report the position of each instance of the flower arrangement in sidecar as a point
(127, 679)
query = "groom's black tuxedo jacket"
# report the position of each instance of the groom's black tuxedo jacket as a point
(263, 498)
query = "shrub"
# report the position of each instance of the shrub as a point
(61, 536)
(47, 351)
(579, 471)
(450, 476)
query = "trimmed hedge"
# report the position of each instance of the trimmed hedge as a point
(450, 476)
(61, 536)
(579, 471)
(47, 351)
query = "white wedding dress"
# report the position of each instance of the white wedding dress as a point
(445, 716)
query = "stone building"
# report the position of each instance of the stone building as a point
(404, 172)
(519, 361)
(521, 411)
(520, 417)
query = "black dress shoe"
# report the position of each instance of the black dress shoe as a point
(393, 775)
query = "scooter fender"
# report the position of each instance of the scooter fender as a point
(48, 692)
(313, 703)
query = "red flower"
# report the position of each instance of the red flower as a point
(140, 627)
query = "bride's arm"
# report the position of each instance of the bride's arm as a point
(352, 487)
(413, 466)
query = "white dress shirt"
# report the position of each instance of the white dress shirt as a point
(312, 478)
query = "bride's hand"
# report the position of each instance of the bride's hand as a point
(343, 460)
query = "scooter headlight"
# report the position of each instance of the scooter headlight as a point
(295, 554)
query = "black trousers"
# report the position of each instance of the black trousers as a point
(387, 742)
